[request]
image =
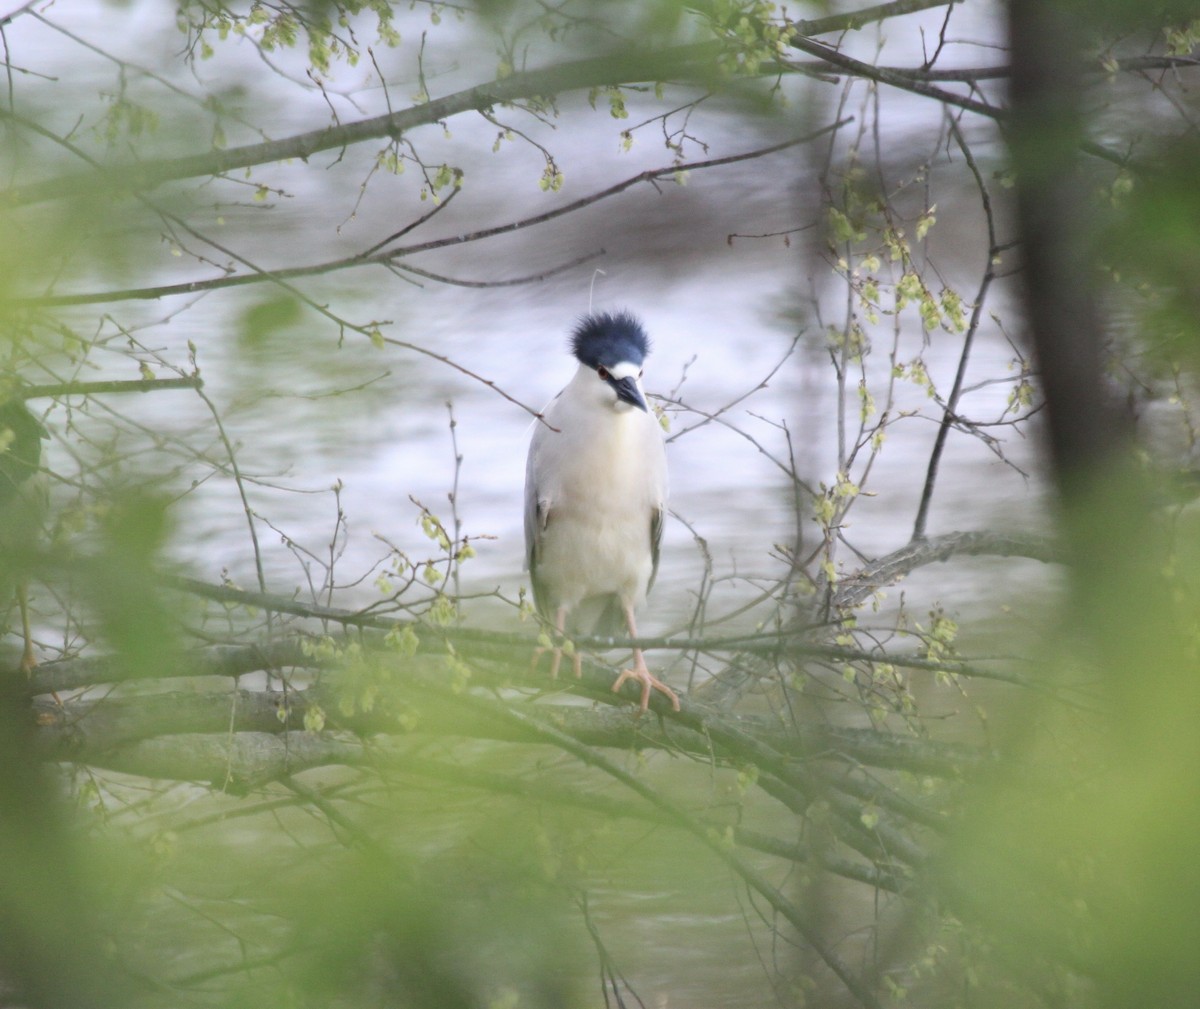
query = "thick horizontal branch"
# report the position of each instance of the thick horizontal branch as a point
(55, 389)
(87, 729)
(619, 68)
(216, 660)
(242, 739)
(256, 762)
(850, 590)
(509, 652)
(236, 762)
(797, 768)
(626, 67)
(680, 62)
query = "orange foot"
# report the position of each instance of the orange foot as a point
(648, 681)
(556, 661)
(560, 622)
(27, 666)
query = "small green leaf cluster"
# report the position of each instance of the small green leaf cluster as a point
(125, 118)
(852, 340)
(1182, 39)
(1020, 396)
(863, 218)
(359, 682)
(747, 778)
(615, 97)
(926, 221)
(552, 177)
(526, 610)
(403, 640)
(1117, 191)
(916, 373)
(390, 160)
(432, 527)
(938, 639)
(830, 504)
(327, 30)
(842, 229)
(752, 34)
(867, 408)
(944, 310)
(314, 718)
(434, 571)
(443, 176)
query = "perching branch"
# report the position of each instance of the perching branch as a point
(89, 729)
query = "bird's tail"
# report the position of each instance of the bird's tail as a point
(599, 616)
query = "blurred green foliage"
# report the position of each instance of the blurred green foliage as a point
(1067, 875)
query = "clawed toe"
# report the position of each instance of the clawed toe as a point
(649, 682)
(556, 660)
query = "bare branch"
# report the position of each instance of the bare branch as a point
(854, 588)
(618, 68)
(950, 410)
(56, 389)
(388, 257)
(853, 20)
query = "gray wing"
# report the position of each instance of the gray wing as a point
(657, 520)
(658, 515)
(21, 435)
(535, 524)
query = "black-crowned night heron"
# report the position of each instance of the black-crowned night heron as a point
(22, 503)
(596, 495)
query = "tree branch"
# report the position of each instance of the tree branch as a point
(88, 729)
(377, 256)
(56, 389)
(853, 589)
(853, 20)
(884, 75)
(616, 68)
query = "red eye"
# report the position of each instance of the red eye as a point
(603, 373)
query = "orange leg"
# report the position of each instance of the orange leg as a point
(28, 662)
(640, 673)
(560, 623)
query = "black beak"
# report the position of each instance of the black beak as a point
(627, 391)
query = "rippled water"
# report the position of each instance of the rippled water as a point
(306, 413)
(721, 311)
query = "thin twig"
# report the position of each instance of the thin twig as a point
(950, 411)
(376, 256)
(56, 389)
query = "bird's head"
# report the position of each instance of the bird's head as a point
(614, 346)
